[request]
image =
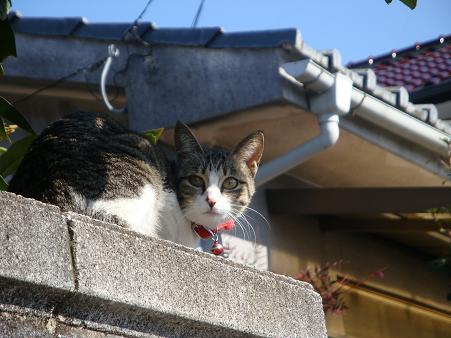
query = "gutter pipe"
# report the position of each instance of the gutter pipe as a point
(329, 133)
(331, 98)
(331, 95)
(402, 124)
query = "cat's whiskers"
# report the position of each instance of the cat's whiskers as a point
(236, 220)
(253, 210)
(238, 215)
(250, 226)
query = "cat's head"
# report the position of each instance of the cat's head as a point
(215, 185)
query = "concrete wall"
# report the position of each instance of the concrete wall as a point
(63, 273)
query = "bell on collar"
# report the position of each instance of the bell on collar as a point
(217, 249)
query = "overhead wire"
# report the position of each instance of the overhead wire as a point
(92, 66)
(198, 13)
(139, 17)
(97, 64)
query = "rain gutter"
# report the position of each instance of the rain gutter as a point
(331, 95)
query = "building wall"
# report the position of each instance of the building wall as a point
(375, 316)
(409, 302)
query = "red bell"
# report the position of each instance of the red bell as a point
(217, 249)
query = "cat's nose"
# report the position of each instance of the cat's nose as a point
(211, 202)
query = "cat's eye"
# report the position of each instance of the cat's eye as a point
(196, 181)
(230, 183)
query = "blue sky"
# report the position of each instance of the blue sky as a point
(357, 28)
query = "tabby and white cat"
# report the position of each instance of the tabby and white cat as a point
(91, 164)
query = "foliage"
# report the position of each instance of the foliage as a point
(10, 158)
(7, 41)
(153, 135)
(8, 111)
(410, 3)
(5, 6)
(331, 289)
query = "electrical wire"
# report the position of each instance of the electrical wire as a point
(198, 13)
(92, 66)
(139, 17)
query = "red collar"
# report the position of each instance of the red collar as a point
(206, 233)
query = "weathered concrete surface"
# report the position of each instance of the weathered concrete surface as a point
(34, 243)
(119, 282)
(207, 83)
(22, 325)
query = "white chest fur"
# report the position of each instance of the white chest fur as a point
(172, 224)
(149, 214)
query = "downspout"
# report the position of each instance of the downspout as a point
(330, 97)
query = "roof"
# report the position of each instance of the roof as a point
(416, 68)
(214, 37)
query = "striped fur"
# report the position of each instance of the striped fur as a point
(90, 164)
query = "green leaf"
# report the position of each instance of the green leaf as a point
(7, 40)
(2, 150)
(409, 3)
(10, 160)
(5, 6)
(8, 111)
(153, 135)
(13, 167)
(3, 184)
(3, 134)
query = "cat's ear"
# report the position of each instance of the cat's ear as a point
(186, 144)
(250, 151)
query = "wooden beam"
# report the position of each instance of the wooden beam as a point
(330, 223)
(357, 200)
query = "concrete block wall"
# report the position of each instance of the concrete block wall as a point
(67, 274)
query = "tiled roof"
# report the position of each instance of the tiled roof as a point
(213, 37)
(414, 68)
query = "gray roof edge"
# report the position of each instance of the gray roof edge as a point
(212, 37)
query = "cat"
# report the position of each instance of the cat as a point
(91, 164)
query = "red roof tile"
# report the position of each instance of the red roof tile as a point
(413, 68)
